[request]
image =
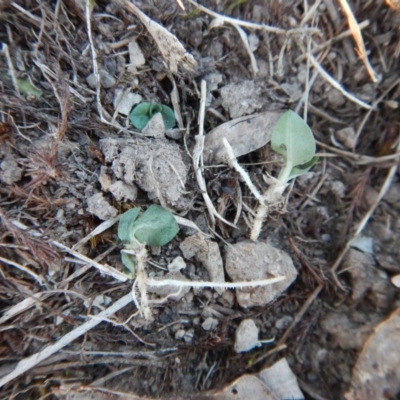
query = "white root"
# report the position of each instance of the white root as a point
(244, 175)
(217, 285)
(198, 160)
(273, 195)
(139, 251)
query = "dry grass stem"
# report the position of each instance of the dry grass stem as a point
(310, 13)
(243, 36)
(22, 306)
(214, 285)
(85, 267)
(27, 363)
(361, 159)
(314, 192)
(97, 231)
(11, 69)
(94, 60)
(252, 25)
(336, 84)
(328, 43)
(356, 32)
(245, 176)
(105, 269)
(27, 13)
(198, 164)
(22, 268)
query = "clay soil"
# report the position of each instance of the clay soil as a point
(54, 139)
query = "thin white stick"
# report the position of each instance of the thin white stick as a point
(310, 13)
(223, 285)
(27, 13)
(198, 160)
(105, 269)
(100, 229)
(307, 87)
(27, 363)
(252, 25)
(189, 224)
(94, 62)
(22, 268)
(245, 41)
(11, 68)
(22, 306)
(245, 176)
(336, 84)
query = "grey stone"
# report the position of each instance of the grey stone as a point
(106, 80)
(284, 322)
(249, 261)
(206, 252)
(241, 98)
(100, 207)
(123, 191)
(10, 172)
(246, 336)
(209, 323)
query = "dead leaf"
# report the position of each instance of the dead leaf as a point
(244, 388)
(244, 134)
(281, 380)
(376, 374)
(168, 44)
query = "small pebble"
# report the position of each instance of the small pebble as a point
(180, 334)
(106, 80)
(246, 336)
(188, 337)
(209, 324)
(284, 322)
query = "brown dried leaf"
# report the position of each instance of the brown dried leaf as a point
(170, 47)
(244, 134)
(376, 374)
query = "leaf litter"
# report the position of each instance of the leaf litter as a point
(48, 285)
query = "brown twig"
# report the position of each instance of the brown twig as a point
(303, 260)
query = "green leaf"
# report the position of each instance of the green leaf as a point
(293, 139)
(25, 87)
(144, 112)
(129, 263)
(302, 169)
(168, 117)
(126, 225)
(155, 227)
(139, 116)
